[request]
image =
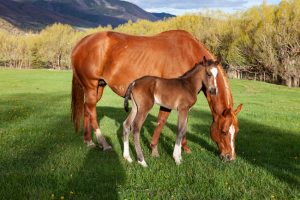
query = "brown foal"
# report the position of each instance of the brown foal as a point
(179, 93)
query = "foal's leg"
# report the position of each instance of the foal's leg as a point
(126, 131)
(87, 121)
(137, 124)
(90, 102)
(182, 123)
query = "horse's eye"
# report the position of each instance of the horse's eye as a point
(224, 133)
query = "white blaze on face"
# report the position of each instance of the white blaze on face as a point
(214, 72)
(231, 132)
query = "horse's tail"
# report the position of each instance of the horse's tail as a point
(127, 96)
(77, 104)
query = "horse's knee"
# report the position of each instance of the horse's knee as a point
(126, 127)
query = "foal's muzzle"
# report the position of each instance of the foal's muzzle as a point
(213, 91)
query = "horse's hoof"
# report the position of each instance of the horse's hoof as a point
(143, 163)
(90, 144)
(128, 158)
(154, 152)
(187, 150)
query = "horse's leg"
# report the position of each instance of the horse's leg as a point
(87, 121)
(161, 121)
(126, 131)
(182, 123)
(90, 102)
(87, 128)
(185, 147)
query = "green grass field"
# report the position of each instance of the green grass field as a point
(42, 158)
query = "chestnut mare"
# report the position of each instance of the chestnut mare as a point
(116, 59)
(178, 93)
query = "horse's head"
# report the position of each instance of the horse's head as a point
(224, 130)
(210, 80)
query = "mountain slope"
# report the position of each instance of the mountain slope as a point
(35, 14)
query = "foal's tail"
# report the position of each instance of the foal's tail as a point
(77, 104)
(127, 96)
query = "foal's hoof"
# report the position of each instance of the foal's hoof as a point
(154, 152)
(177, 159)
(90, 144)
(143, 163)
(128, 158)
(107, 148)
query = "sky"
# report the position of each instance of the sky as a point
(179, 7)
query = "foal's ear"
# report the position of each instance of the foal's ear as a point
(218, 61)
(238, 109)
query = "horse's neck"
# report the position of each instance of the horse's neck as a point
(223, 100)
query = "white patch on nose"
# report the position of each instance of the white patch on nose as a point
(231, 132)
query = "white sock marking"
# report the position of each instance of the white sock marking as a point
(143, 163)
(98, 134)
(177, 153)
(126, 149)
(231, 132)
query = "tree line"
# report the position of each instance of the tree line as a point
(263, 40)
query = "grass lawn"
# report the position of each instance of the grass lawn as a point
(42, 158)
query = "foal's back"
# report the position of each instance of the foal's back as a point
(169, 93)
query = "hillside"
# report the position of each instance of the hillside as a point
(36, 14)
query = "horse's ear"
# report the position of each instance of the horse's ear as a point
(204, 60)
(238, 109)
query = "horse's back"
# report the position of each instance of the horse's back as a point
(120, 58)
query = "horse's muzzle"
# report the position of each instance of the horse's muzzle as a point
(227, 157)
(213, 91)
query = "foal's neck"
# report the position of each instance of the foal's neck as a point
(194, 78)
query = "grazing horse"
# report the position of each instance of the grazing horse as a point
(148, 90)
(116, 59)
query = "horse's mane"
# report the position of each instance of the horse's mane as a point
(196, 67)
(229, 99)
